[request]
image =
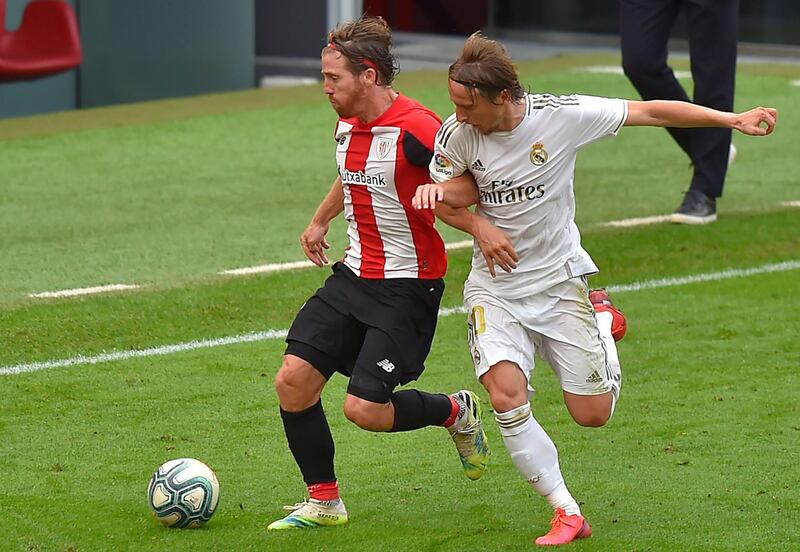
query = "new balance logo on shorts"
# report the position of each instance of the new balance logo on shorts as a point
(478, 166)
(594, 378)
(386, 365)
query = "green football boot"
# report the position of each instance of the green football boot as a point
(312, 513)
(468, 435)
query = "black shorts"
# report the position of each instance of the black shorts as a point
(376, 332)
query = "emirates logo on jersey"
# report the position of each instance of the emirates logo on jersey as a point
(382, 147)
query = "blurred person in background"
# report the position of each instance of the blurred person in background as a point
(645, 27)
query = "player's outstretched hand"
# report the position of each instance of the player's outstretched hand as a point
(427, 195)
(314, 243)
(496, 247)
(759, 121)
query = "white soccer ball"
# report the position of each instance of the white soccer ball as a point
(183, 493)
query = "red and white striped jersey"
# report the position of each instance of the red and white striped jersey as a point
(381, 164)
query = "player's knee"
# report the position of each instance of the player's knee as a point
(594, 415)
(505, 400)
(283, 384)
(591, 419)
(362, 413)
(507, 385)
(590, 410)
(293, 394)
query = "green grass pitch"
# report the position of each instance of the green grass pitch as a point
(702, 453)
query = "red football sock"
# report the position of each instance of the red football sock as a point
(456, 410)
(324, 491)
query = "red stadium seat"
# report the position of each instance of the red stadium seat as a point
(47, 41)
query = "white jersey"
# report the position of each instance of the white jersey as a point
(525, 177)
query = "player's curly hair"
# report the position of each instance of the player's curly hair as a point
(485, 66)
(366, 43)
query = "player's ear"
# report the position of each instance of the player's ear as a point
(369, 76)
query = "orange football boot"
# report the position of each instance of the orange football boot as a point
(565, 529)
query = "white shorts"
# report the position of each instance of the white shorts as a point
(558, 323)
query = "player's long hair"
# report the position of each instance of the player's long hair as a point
(366, 43)
(484, 65)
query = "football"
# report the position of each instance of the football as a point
(183, 493)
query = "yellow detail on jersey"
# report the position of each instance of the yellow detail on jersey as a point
(478, 319)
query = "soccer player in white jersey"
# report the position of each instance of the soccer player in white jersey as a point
(513, 154)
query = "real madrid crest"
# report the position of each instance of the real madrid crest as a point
(538, 154)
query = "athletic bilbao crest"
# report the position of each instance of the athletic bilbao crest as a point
(383, 147)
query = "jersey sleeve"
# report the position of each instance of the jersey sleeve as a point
(449, 153)
(597, 118)
(419, 137)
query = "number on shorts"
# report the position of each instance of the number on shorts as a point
(478, 319)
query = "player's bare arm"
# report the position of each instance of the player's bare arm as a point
(759, 121)
(313, 237)
(450, 200)
(460, 191)
(495, 245)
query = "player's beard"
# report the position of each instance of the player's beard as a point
(349, 106)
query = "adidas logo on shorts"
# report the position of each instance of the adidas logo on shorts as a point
(594, 378)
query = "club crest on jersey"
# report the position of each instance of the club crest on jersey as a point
(383, 147)
(443, 165)
(539, 155)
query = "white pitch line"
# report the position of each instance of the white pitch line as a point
(294, 265)
(279, 334)
(280, 267)
(458, 245)
(708, 277)
(796, 83)
(83, 291)
(137, 353)
(641, 221)
(617, 70)
(274, 267)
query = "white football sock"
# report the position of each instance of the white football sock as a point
(604, 320)
(535, 456)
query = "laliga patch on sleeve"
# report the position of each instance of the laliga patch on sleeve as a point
(443, 165)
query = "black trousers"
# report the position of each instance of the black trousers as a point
(645, 26)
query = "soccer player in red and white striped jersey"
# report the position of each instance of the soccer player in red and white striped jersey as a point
(375, 317)
(380, 165)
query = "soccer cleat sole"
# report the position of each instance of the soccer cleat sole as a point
(295, 522)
